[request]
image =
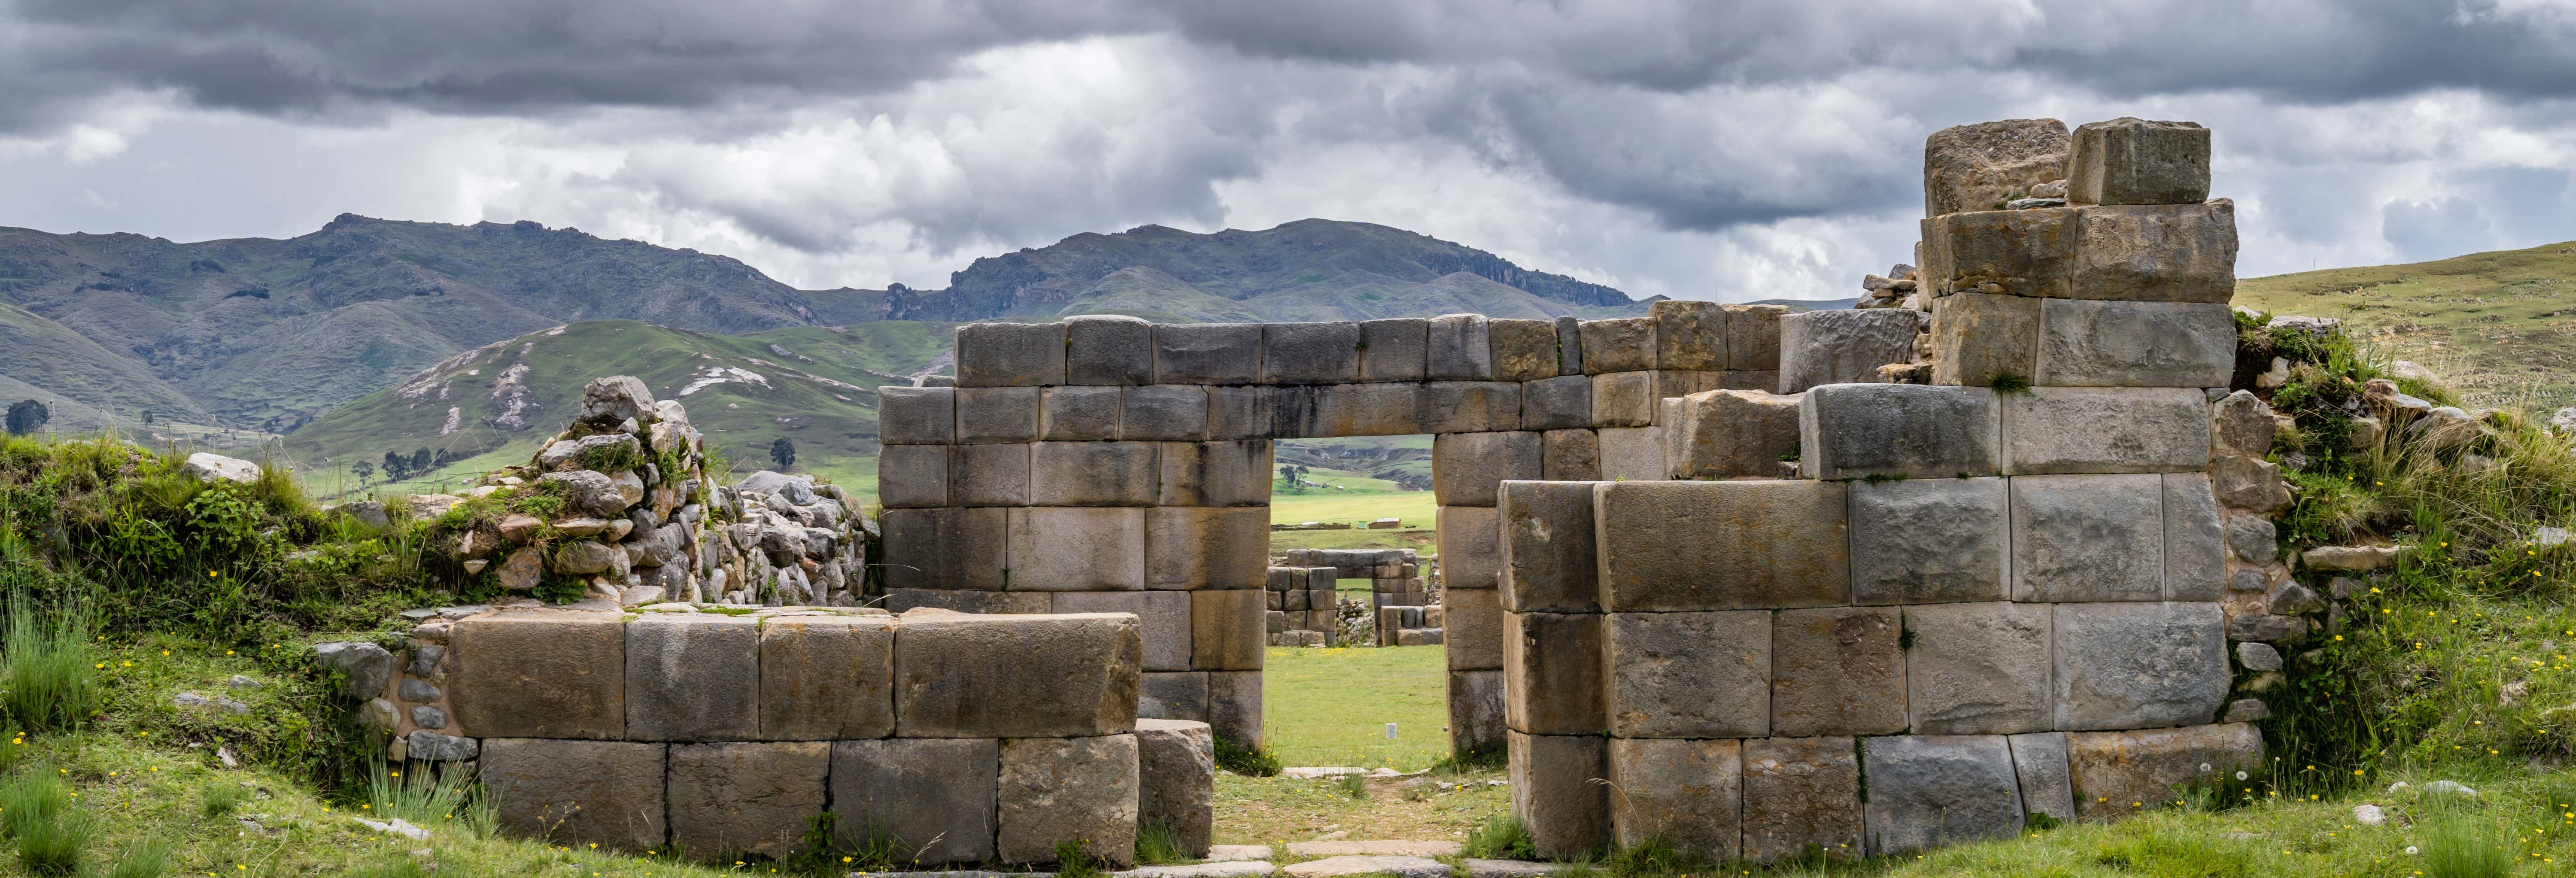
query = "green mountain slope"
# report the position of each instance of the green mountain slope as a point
(2496, 326)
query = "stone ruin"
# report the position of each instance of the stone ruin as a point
(1306, 611)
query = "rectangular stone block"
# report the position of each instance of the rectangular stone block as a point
(898, 600)
(2009, 252)
(1108, 349)
(936, 796)
(1747, 379)
(1192, 547)
(1753, 337)
(739, 798)
(551, 675)
(1227, 630)
(2039, 761)
(1460, 349)
(1570, 455)
(1618, 345)
(1929, 541)
(1239, 413)
(1176, 780)
(1383, 409)
(1688, 794)
(1837, 671)
(2088, 538)
(1979, 669)
(997, 414)
(1681, 546)
(2161, 253)
(2117, 774)
(964, 676)
(1633, 454)
(1063, 548)
(1234, 706)
(1092, 473)
(1844, 346)
(1569, 345)
(1207, 353)
(2135, 344)
(2127, 666)
(1080, 414)
(988, 475)
(1476, 712)
(1310, 353)
(1166, 412)
(1471, 555)
(1473, 619)
(2195, 545)
(1010, 354)
(1976, 167)
(1687, 675)
(1927, 791)
(1162, 618)
(1056, 790)
(1801, 794)
(1978, 338)
(1558, 792)
(1394, 350)
(608, 793)
(1623, 399)
(1911, 431)
(2105, 430)
(946, 549)
(686, 676)
(1558, 403)
(1689, 334)
(1177, 695)
(916, 415)
(912, 476)
(2136, 161)
(1550, 561)
(1470, 406)
(1523, 350)
(1233, 473)
(1466, 468)
(1727, 434)
(1552, 673)
(824, 678)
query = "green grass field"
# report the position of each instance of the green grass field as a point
(1413, 508)
(1331, 706)
(2498, 327)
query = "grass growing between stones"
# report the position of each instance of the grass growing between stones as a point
(1331, 706)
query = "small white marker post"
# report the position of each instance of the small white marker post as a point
(1390, 731)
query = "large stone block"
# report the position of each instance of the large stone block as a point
(1979, 669)
(2136, 161)
(916, 415)
(1721, 545)
(1382, 409)
(1459, 349)
(1619, 345)
(1753, 339)
(1671, 675)
(2010, 252)
(1471, 554)
(1570, 455)
(1473, 620)
(965, 676)
(549, 675)
(1475, 712)
(2088, 538)
(1176, 780)
(2039, 761)
(1179, 695)
(2135, 344)
(1926, 791)
(898, 600)
(737, 798)
(1079, 414)
(1844, 346)
(1467, 468)
(1978, 338)
(1310, 353)
(1234, 706)
(1915, 431)
(1394, 350)
(1981, 166)
(1162, 619)
(1632, 454)
(1469, 406)
(1227, 630)
(988, 475)
(690, 677)
(1063, 548)
(1929, 541)
(1092, 473)
(2105, 430)
(1190, 547)
(1623, 399)
(1056, 790)
(1235, 473)
(1559, 791)
(2127, 666)
(1552, 670)
(608, 793)
(1559, 403)
(1109, 349)
(2117, 774)
(1801, 795)
(1689, 334)
(2163, 253)
(1523, 350)
(1240, 413)
(826, 677)
(1549, 558)
(912, 476)
(2195, 542)
(935, 796)
(1688, 794)
(1010, 354)
(1726, 434)
(946, 549)
(1207, 353)
(998, 414)
(1836, 671)
(1173, 412)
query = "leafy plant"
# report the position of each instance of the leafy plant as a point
(1252, 761)
(1501, 837)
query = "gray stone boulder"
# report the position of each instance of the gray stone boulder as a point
(1926, 791)
(2254, 539)
(1980, 166)
(2242, 424)
(1108, 349)
(689, 677)
(366, 668)
(934, 795)
(1844, 346)
(959, 675)
(568, 454)
(1725, 434)
(206, 467)
(2132, 665)
(591, 492)
(367, 512)
(2122, 773)
(606, 402)
(1684, 793)
(431, 746)
(1928, 541)
(1176, 777)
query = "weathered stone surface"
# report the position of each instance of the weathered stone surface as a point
(1374, 847)
(1978, 338)
(1725, 434)
(1623, 399)
(1474, 626)
(1234, 706)
(1562, 402)
(2195, 560)
(1721, 545)
(2135, 344)
(1688, 794)
(1471, 541)
(1523, 350)
(1689, 334)
(1092, 473)
(1570, 455)
(2127, 666)
(1055, 790)
(365, 668)
(1189, 547)
(826, 677)
(2105, 430)
(1112, 349)
(689, 677)
(2136, 161)
(1460, 349)
(1929, 541)
(2249, 483)
(1850, 431)
(2117, 774)
(430, 746)
(1981, 166)
(745, 798)
(1227, 630)
(550, 675)
(2267, 628)
(1058, 548)
(2242, 424)
(987, 475)
(1180, 695)
(2039, 761)
(1979, 668)
(1843, 346)
(1801, 793)
(962, 676)
(1467, 468)
(1753, 339)
(1176, 780)
(1836, 671)
(2258, 656)
(1383, 409)
(1172, 412)
(1632, 454)
(608, 793)
(1233, 473)
(1669, 675)
(998, 414)
(1162, 617)
(580, 558)
(2164, 253)
(1557, 791)
(1080, 414)
(2246, 710)
(1469, 406)
(2355, 558)
(2012, 252)
(2088, 538)
(1010, 354)
(1926, 791)
(206, 467)
(1476, 711)
(1310, 353)
(1550, 564)
(934, 795)
(1619, 345)
(591, 492)
(898, 600)
(947, 549)
(1394, 350)
(1207, 353)
(1552, 673)
(1350, 865)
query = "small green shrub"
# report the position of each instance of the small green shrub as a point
(1071, 861)
(613, 457)
(145, 859)
(1158, 845)
(1501, 837)
(1246, 761)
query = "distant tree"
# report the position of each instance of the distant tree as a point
(397, 466)
(147, 417)
(420, 460)
(362, 469)
(783, 452)
(28, 416)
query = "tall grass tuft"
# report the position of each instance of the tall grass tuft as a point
(2465, 847)
(29, 798)
(47, 659)
(1158, 845)
(1354, 785)
(1501, 837)
(55, 846)
(1254, 761)
(431, 799)
(221, 800)
(146, 859)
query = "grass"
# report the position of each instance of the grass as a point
(52, 685)
(1413, 508)
(1331, 706)
(2500, 325)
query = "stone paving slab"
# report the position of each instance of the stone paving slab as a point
(1401, 867)
(1376, 847)
(1238, 852)
(1513, 868)
(1217, 869)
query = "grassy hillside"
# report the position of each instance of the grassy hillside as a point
(2498, 326)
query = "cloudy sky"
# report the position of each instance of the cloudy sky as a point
(1702, 150)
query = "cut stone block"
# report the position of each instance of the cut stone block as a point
(2195, 544)
(2088, 538)
(1474, 627)
(2010, 252)
(826, 677)
(1726, 434)
(1620, 345)
(1055, 790)
(1670, 675)
(1467, 468)
(1558, 792)
(1688, 794)
(1836, 671)
(1010, 354)
(2127, 666)
(1801, 794)
(1162, 618)
(998, 414)
(746, 798)
(1470, 406)
(1683, 546)
(898, 600)
(1092, 473)
(1460, 349)
(912, 476)
(1979, 669)
(608, 793)
(946, 549)
(1207, 353)
(1385, 409)
(1929, 541)
(1163, 412)
(1633, 454)
(1844, 346)
(2242, 424)
(686, 675)
(1746, 379)
(1570, 455)
(1476, 712)
(1753, 338)
(1981, 166)
(1689, 334)
(1914, 431)
(1550, 561)
(1623, 399)
(988, 475)
(2117, 774)
(1176, 780)
(2039, 761)
(916, 415)
(2162, 253)
(1394, 350)
(555, 675)
(962, 676)
(934, 795)
(1569, 344)
(1562, 402)
(2135, 344)
(1978, 338)
(2136, 161)
(1189, 547)
(2105, 430)
(1110, 349)
(1523, 350)
(1061, 548)
(1310, 353)
(1234, 706)
(1239, 413)
(1926, 791)
(1214, 473)
(1180, 695)
(1227, 630)
(1079, 414)
(1552, 670)
(1470, 546)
